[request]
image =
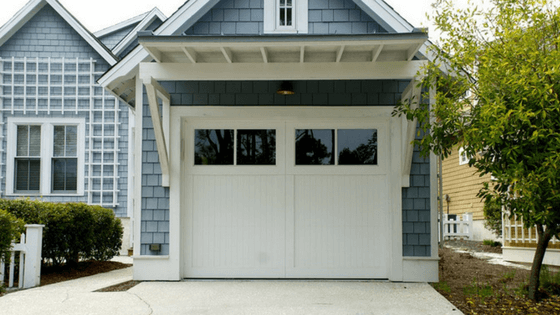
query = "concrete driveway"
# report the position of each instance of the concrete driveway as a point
(227, 297)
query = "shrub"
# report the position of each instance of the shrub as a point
(10, 230)
(108, 231)
(72, 231)
(493, 216)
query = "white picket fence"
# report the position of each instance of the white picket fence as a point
(29, 249)
(461, 227)
(515, 234)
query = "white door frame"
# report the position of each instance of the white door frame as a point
(381, 115)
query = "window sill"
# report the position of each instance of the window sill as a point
(44, 195)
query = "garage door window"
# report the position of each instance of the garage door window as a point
(352, 146)
(357, 146)
(256, 147)
(217, 147)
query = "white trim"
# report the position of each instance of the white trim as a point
(33, 7)
(396, 70)
(155, 91)
(186, 118)
(300, 18)
(47, 129)
(120, 25)
(146, 21)
(130, 168)
(463, 158)
(137, 192)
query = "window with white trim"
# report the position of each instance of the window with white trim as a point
(45, 156)
(463, 158)
(285, 16)
(28, 158)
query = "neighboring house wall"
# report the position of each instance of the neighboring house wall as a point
(231, 17)
(155, 199)
(57, 81)
(462, 183)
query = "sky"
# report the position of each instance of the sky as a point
(89, 12)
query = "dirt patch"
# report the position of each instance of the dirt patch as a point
(477, 287)
(121, 287)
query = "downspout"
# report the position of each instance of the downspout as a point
(440, 198)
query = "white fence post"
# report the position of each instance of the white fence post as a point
(29, 249)
(34, 244)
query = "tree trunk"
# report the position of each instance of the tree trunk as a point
(534, 282)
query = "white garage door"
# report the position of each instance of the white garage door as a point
(286, 199)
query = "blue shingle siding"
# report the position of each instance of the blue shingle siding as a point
(416, 208)
(155, 199)
(308, 93)
(245, 17)
(231, 17)
(47, 35)
(113, 39)
(342, 17)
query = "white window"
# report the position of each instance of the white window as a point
(463, 158)
(45, 156)
(285, 16)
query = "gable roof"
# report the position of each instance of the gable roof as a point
(193, 10)
(121, 25)
(34, 6)
(148, 19)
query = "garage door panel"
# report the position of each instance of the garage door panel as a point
(237, 224)
(340, 225)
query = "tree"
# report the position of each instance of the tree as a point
(499, 98)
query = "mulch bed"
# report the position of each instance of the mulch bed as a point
(477, 287)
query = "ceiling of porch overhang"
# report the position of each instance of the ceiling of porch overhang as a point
(284, 49)
(314, 53)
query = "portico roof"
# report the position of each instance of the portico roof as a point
(276, 57)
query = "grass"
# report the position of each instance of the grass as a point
(442, 286)
(491, 243)
(478, 289)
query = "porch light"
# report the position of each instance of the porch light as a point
(286, 88)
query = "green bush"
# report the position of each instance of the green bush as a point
(10, 230)
(73, 231)
(493, 216)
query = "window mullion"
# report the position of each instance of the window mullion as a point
(46, 158)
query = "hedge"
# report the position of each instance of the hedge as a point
(73, 231)
(10, 230)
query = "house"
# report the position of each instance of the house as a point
(63, 137)
(460, 186)
(265, 145)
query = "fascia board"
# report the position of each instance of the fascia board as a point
(126, 66)
(129, 38)
(20, 19)
(121, 25)
(193, 10)
(386, 16)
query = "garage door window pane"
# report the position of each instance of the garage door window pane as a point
(256, 147)
(213, 147)
(315, 147)
(357, 146)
